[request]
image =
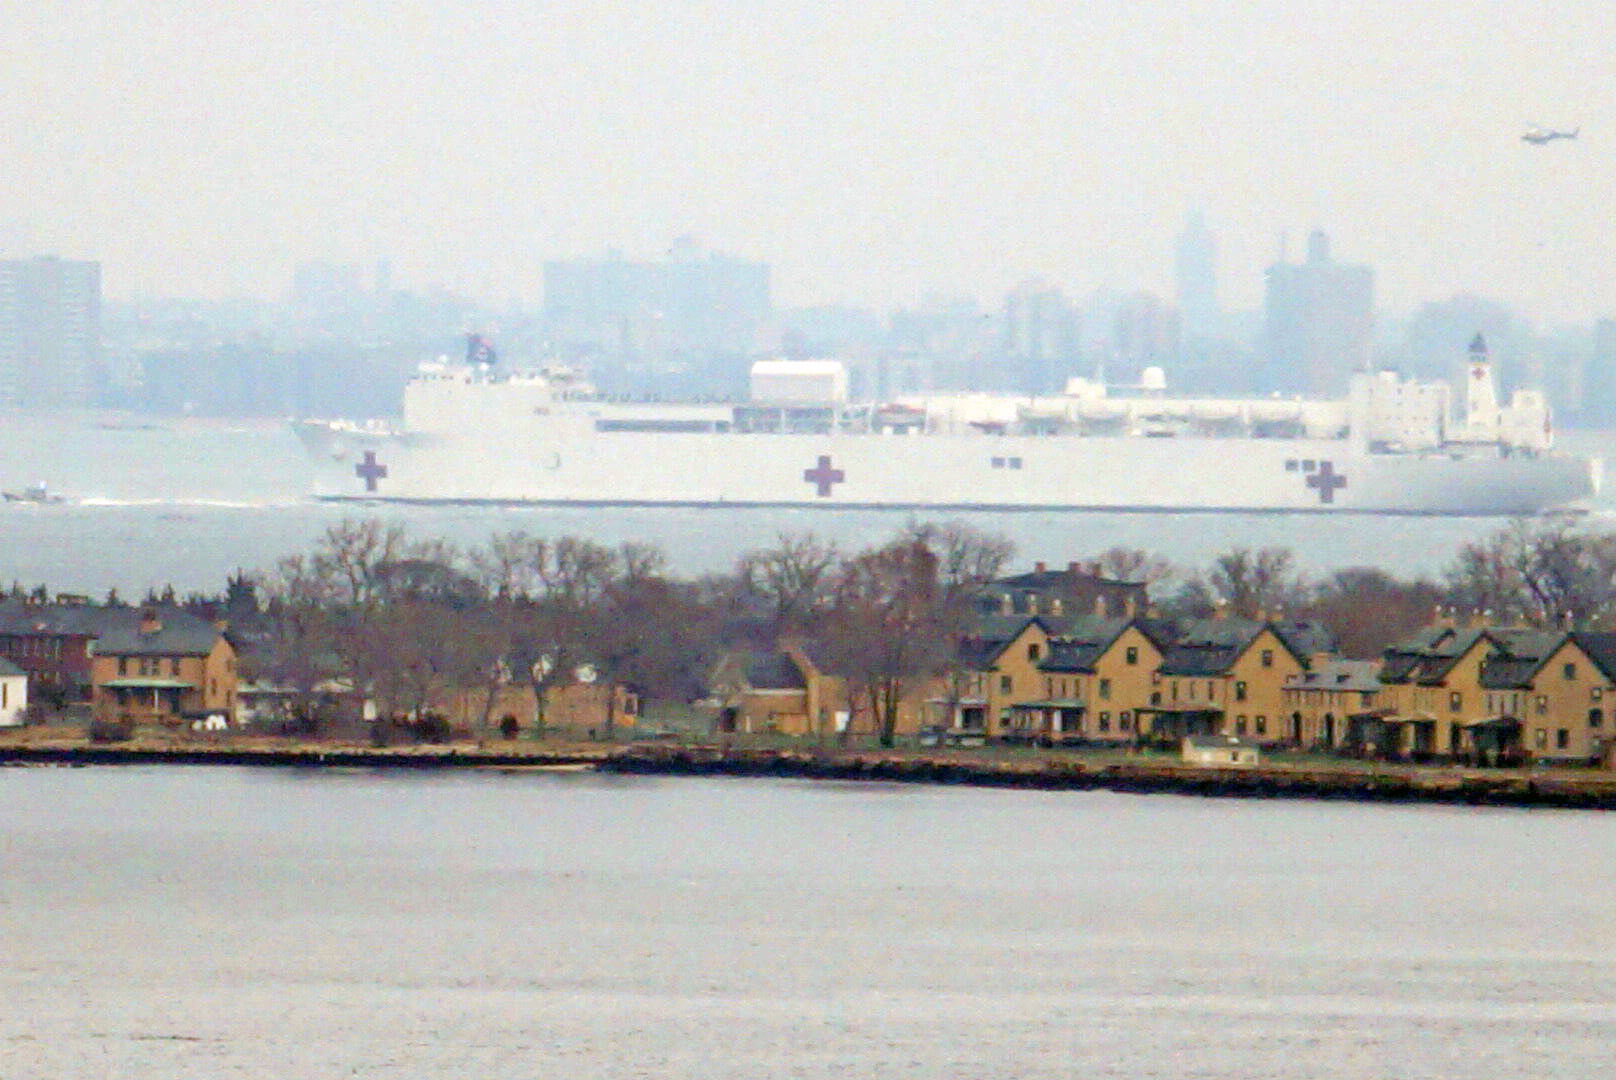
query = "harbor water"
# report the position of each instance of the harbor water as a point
(163, 923)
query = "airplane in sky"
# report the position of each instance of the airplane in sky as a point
(1537, 136)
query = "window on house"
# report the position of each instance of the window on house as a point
(1455, 701)
(1131, 654)
(1015, 463)
(1105, 721)
(1105, 689)
(1262, 725)
(1542, 704)
(1596, 717)
(1124, 721)
(1268, 658)
(998, 463)
(1540, 738)
(1569, 671)
(1032, 651)
(1562, 739)
(1595, 693)
(1290, 464)
(1240, 725)
(123, 665)
(1240, 691)
(1004, 684)
(1211, 689)
(1049, 687)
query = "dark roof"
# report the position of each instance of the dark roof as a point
(990, 635)
(772, 671)
(1427, 655)
(1194, 659)
(116, 630)
(9, 670)
(1083, 642)
(1601, 649)
(1507, 673)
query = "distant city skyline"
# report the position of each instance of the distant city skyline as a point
(871, 153)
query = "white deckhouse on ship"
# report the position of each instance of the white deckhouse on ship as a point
(472, 434)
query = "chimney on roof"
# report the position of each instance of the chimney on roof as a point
(1038, 568)
(1074, 568)
(149, 622)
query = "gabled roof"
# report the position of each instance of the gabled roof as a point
(1350, 676)
(1428, 655)
(1085, 640)
(1212, 646)
(117, 630)
(1506, 673)
(772, 671)
(990, 635)
(1601, 649)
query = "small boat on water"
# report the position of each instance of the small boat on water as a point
(33, 493)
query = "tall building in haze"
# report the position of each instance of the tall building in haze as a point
(690, 303)
(50, 332)
(1041, 342)
(1317, 320)
(1195, 267)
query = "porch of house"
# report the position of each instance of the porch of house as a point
(145, 700)
(955, 720)
(1053, 720)
(1169, 726)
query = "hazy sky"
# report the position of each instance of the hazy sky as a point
(872, 151)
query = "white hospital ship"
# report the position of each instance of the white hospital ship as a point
(471, 433)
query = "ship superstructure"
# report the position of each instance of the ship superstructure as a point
(470, 433)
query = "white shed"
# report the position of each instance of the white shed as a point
(1219, 750)
(13, 694)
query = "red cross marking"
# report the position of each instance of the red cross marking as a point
(370, 470)
(823, 475)
(1326, 481)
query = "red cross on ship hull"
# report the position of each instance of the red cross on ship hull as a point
(823, 476)
(370, 470)
(1326, 481)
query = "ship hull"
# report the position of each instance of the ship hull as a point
(568, 461)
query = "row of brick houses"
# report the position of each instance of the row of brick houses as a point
(1114, 677)
(138, 665)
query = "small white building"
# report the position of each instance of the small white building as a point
(1220, 750)
(13, 694)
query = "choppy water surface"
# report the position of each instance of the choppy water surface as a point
(165, 922)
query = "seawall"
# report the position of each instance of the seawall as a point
(1571, 789)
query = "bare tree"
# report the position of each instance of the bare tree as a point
(1252, 584)
(1367, 609)
(793, 579)
(893, 627)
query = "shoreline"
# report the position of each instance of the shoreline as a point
(1593, 790)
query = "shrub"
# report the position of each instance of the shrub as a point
(110, 731)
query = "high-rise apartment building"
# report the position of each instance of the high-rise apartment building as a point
(691, 303)
(1041, 340)
(1195, 268)
(1317, 322)
(50, 332)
